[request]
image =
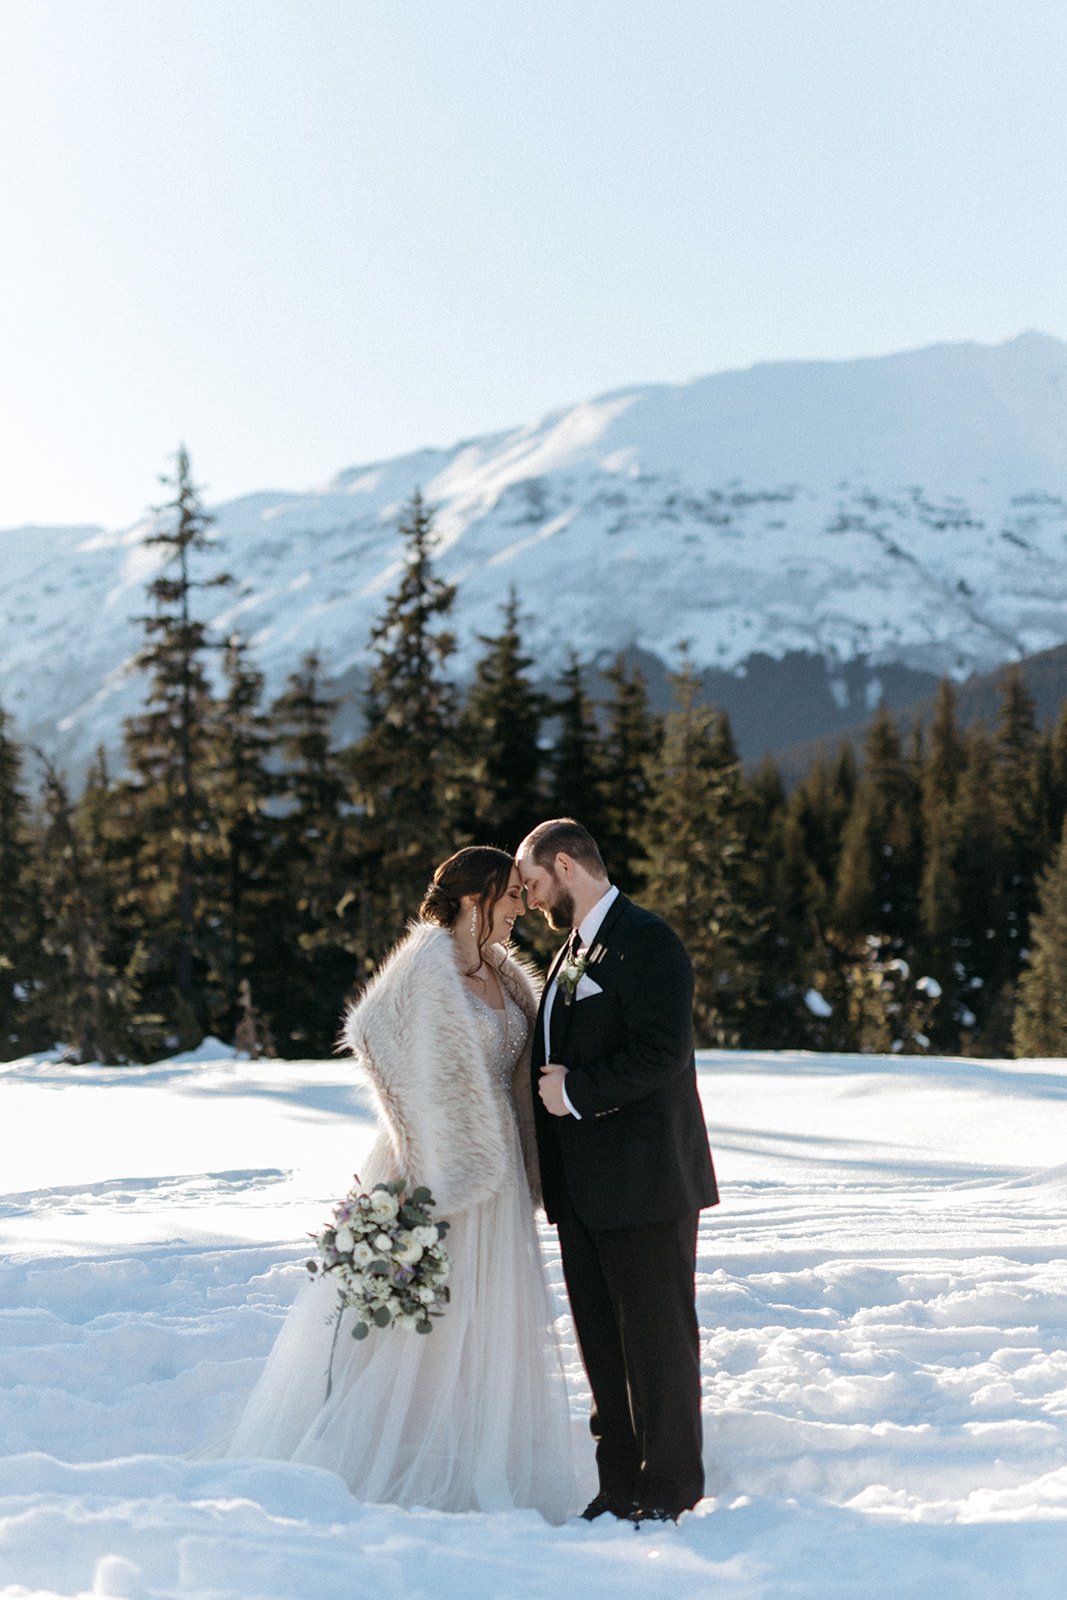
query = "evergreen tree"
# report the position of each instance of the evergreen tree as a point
(880, 864)
(406, 768)
(940, 930)
(314, 939)
(19, 975)
(792, 954)
(975, 872)
(1040, 1023)
(1056, 775)
(167, 748)
(500, 739)
(107, 819)
(91, 1000)
(946, 753)
(1021, 826)
(699, 874)
(821, 803)
(577, 764)
(767, 795)
(241, 787)
(631, 745)
(1016, 832)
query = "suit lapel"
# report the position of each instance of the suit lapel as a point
(601, 941)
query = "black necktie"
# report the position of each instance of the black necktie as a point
(562, 1002)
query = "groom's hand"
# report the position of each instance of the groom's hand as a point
(550, 1089)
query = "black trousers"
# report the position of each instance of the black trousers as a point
(632, 1296)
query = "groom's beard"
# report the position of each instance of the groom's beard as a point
(560, 911)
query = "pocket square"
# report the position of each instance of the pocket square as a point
(586, 987)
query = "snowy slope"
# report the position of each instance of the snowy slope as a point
(905, 509)
(883, 1295)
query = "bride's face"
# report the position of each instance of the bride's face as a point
(507, 910)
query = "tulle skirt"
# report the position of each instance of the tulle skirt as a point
(470, 1417)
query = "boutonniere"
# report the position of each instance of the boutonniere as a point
(572, 970)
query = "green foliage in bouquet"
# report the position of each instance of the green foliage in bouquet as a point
(386, 1252)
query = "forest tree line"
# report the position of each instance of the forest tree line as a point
(242, 876)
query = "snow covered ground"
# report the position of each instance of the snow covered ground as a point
(883, 1293)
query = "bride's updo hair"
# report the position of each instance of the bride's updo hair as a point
(480, 870)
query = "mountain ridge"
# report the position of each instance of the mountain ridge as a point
(896, 513)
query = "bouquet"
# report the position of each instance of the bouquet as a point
(386, 1252)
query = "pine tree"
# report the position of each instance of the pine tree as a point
(699, 873)
(240, 789)
(500, 739)
(1023, 842)
(792, 952)
(19, 975)
(167, 748)
(821, 803)
(1020, 846)
(107, 819)
(314, 941)
(942, 769)
(946, 754)
(880, 863)
(91, 1000)
(406, 769)
(631, 744)
(976, 874)
(1056, 781)
(577, 765)
(1040, 1024)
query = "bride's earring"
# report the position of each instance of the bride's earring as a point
(474, 922)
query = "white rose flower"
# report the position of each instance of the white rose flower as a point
(384, 1206)
(382, 1241)
(425, 1235)
(343, 1239)
(407, 1250)
(362, 1254)
(427, 1296)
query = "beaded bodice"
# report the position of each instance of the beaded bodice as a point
(504, 1033)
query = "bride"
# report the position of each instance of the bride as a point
(474, 1415)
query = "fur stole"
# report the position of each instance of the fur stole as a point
(415, 1033)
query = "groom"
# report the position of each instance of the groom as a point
(625, 1168)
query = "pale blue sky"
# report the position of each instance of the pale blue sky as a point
(301, 234)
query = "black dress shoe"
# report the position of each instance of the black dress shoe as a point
(653, 1514)
(619, 1506)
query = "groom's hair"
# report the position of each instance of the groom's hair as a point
(564, 834)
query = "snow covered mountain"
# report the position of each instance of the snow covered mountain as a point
(905, 514)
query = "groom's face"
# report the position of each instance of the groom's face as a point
(547, 894)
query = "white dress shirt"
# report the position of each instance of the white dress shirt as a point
(588, 929)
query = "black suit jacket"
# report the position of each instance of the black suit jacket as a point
(639, 1152)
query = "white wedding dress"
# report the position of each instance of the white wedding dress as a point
(470, 1417)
